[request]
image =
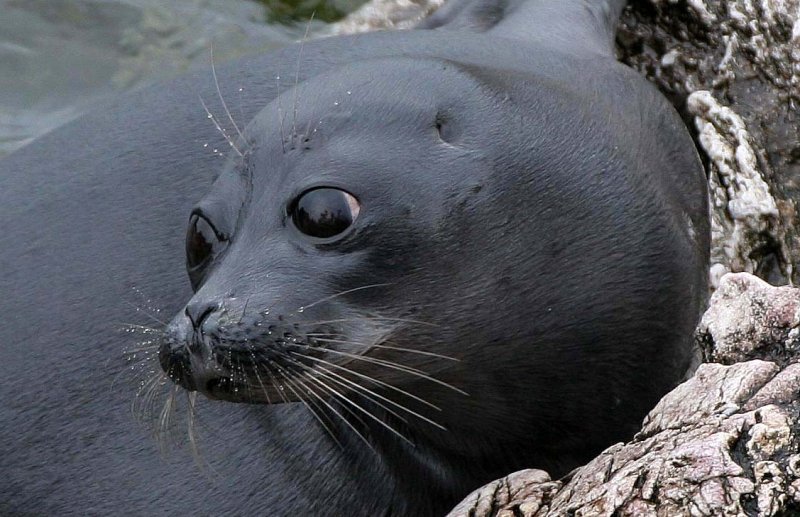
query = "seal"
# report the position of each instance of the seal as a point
(433, 257)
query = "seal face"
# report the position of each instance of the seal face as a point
(475, 243)
(339, 240)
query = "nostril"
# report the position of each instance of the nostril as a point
(197, 312)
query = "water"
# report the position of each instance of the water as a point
(58, 58)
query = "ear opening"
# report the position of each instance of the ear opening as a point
(446, 129)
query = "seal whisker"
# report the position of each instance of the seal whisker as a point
(348, 291)
(307, 132)
(237, 374)
(344, 383)
(358, 407)
(147, 304)
(341, 417)
(191, 433)
(374, 381)
(141, 348)
(142, 404)
(372, 345)
(278, 386)
(219, 127)
(371, 395)
(139, 369)
(336, 394)
(132, 364)
(254, 362)
(150, 400)
(281, 114)
(367, 317)
(299, 380)
(144, 329)
(165, 418)
(342, 397)
(139, 309)
(297, 73)
(420, 352)
(144, 346)
(138, 355)
(317, 416)
(395, 366)
(219, 94)
(137, 402)
(244, 309)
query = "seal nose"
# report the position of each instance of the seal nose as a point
(198, 311)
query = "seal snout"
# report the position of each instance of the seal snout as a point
(174, 360)
(185, 353)
(190, 369)
(199, 311)
(221, 349)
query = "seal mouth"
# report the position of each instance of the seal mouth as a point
(249, 360)
(256, 377)
(216, 386)
(270, 366)
(229, 389)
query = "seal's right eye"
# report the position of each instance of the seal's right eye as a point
(324, 212)
(202, 245)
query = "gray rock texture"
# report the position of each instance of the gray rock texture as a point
(386, 14)
(732, 68)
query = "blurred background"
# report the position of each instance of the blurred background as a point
(60, 57)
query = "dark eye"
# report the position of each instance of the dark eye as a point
(324, 212)
(202, 244)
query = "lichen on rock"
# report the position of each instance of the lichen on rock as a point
(732, 69)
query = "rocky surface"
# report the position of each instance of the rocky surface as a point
(386, 14)
(732, 69)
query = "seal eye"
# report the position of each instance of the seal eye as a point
(324, 212)
(202, 245)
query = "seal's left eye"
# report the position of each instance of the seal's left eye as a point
(203, 244)
(324, 212)
(200, 241)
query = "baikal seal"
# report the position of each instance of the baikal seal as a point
(430, 258)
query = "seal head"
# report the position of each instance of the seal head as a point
(469, 251)
(321, 248)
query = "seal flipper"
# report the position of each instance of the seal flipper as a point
(583, 26)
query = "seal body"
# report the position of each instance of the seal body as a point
(433, 257)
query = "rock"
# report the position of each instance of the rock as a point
(386, 14)
(749, 319)
(531, 489)
(732, 69)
